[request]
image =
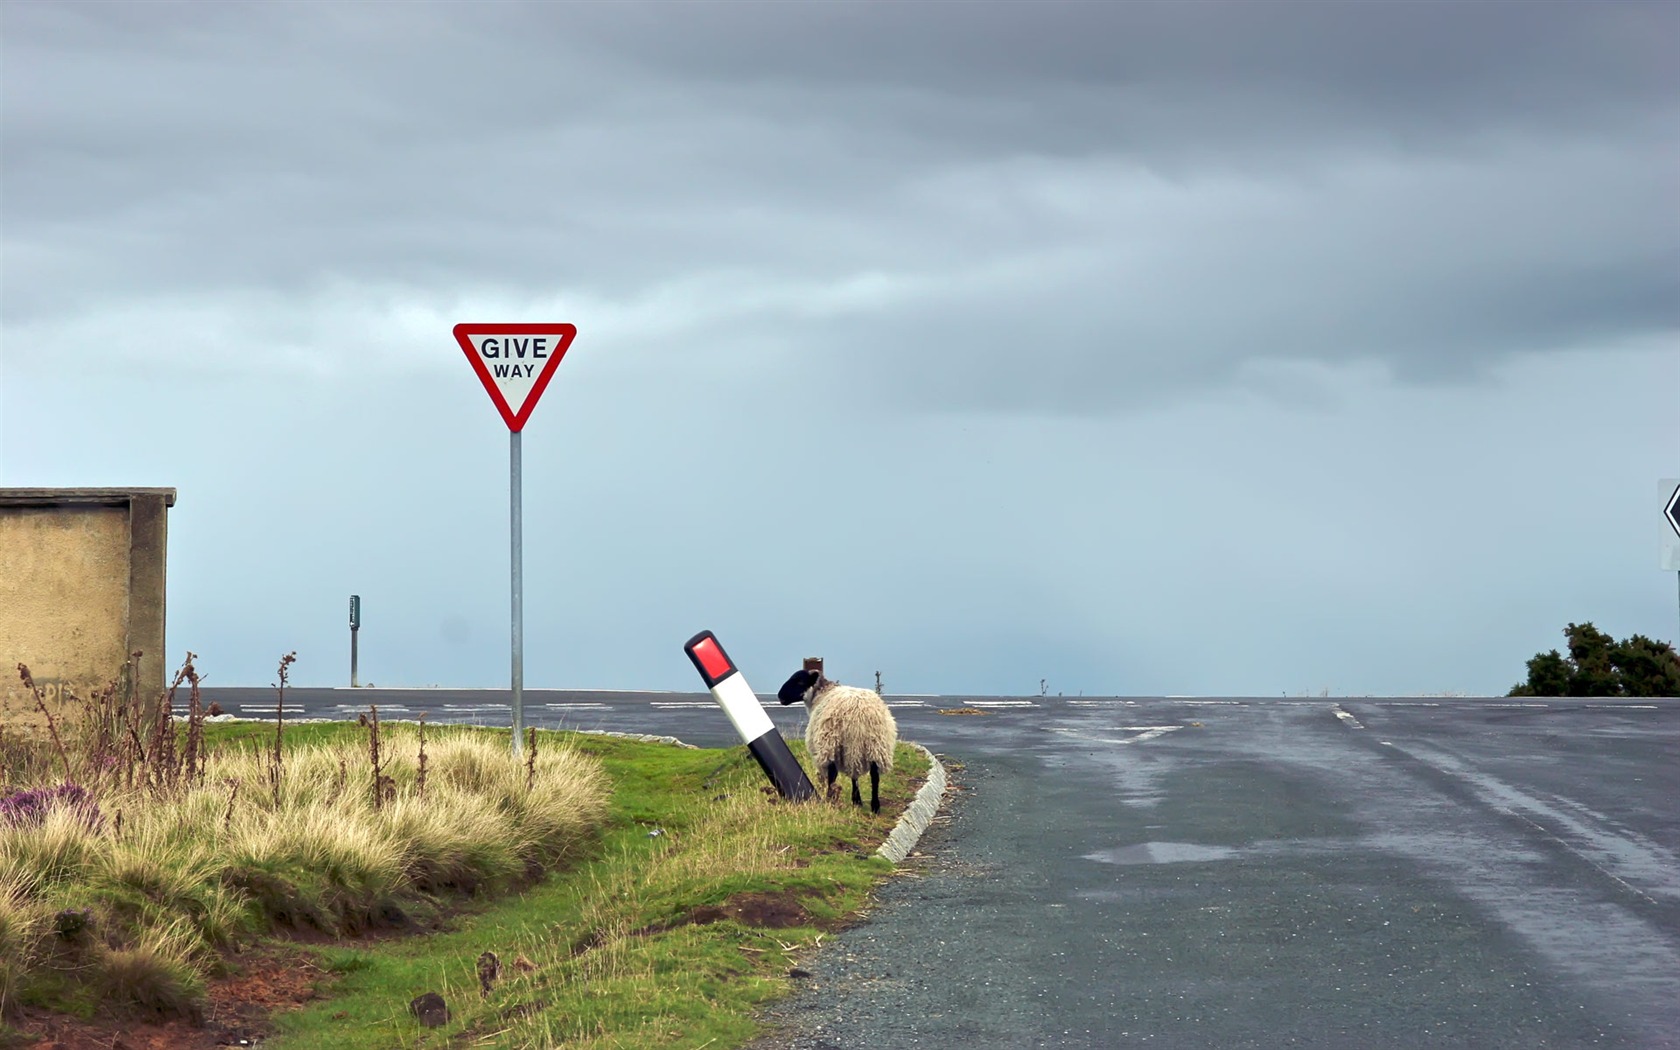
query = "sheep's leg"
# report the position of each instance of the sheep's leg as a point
(857, 799)
(874, 788)
(834, 772)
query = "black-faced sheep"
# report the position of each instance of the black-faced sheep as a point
(850, 731)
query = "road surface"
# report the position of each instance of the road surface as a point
(1163, 872)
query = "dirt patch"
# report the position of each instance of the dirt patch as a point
(771, 911)
(237, 1012)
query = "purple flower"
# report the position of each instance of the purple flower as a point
(30, 808)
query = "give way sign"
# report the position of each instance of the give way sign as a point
(515, 362)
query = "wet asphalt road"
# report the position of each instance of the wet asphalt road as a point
(1237, 873)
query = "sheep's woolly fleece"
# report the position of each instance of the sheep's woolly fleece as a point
(853, 725)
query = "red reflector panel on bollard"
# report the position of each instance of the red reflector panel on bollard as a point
(746, 714)
(710, 658)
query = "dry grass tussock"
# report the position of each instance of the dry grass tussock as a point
(611, 964)
(126, 881)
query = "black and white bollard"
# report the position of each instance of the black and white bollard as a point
(738, 701)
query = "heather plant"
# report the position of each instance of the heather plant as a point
(30, 807)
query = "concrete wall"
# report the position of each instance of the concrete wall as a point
(82, 578)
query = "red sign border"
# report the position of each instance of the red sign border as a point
(463, 335)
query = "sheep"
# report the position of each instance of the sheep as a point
(850, 731)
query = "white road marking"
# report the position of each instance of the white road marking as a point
(1409, 703)
(667, 705)
(1516, 705)
(1143, 733)
(580, 704)
(1104, 703)
(1232, 703)
(1004, 703)
(906, 703)
(1344, 716)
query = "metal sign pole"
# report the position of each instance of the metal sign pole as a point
(517, 361)
(355, 625)
(516, 513)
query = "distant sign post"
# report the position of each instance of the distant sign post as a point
(515, 363)
(1669, 490)
(355, 625)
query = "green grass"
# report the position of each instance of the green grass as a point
(601, 955)
(637, 895)
(133, 905)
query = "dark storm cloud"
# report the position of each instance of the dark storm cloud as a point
(901, 196)
(1136, 75)
(1226, 347)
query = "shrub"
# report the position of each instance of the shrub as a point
(23, 924)
(455, 842)
(30, 807)
(172, 876)
(332, 863)
(1598, 665)
(58, 848)
(154, 976)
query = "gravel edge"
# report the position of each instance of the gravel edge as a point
(919, 814)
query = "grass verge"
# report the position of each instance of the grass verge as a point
(126, 892)
(687, 919)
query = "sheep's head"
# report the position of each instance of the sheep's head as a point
(799, 688)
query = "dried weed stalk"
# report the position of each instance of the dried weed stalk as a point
(165, 771)
(276, 766)
(192, 762)
(420, 776)
(233, 793)
(383, 786)
(52, 723)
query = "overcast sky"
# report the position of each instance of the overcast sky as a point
(1183, 348)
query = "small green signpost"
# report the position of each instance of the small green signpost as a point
(355, 624)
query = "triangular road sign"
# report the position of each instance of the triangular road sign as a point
(515, 362)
